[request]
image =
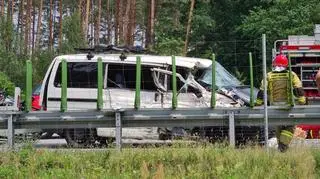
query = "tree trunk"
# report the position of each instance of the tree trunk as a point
(22, 19)
(97, 28)
(33, 26)
(152, 22)
(121, 21)
(39, 25)
(9, 9)
(85, 25)
(82, 4)
(188, 28)
(132, 23)
(60, 24)
(150, 26)
(12, 8)
(116, 29)
(92, 23)
(50, 25)
(80, 7)
(176, 17)
(2, 8)
(27, 28)
(126, 22)
(109, 18)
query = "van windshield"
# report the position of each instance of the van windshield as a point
(223, 77)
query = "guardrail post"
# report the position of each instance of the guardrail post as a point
(213, 84)
(174, 84)
(28, 85)
(100, 85)
(265, 94)
(63, 105)
(291, 98)
(118, 131)
(10, 132)
(251, 81)
(232, 138)
(138, 83)
(17, 94)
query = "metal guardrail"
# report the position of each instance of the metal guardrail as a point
(119, 119)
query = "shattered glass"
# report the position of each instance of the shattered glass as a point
(223, 77)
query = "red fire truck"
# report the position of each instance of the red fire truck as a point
(305, 59)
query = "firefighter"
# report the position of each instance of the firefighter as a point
(278, 90)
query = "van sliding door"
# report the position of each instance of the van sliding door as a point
(82, 86)
(121, 81)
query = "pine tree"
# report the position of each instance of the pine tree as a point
(109, 22)
(86, 19)
(116, 28)
(50, 26)
(2, 8)
(27, 28)
(97, 24)
(60, 23)
(188, 27)
(37, 45)
(132, 25)
(150, 25)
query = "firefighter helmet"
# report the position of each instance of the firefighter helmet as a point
(280, 61)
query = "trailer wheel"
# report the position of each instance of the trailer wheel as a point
(80, 137)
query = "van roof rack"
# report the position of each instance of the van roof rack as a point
(109, 49)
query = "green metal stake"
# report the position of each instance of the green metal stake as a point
(174, 84)
(100, 85)
(291, 99)
(138, 83)
(63, 105)
(28, 85)
(251, 81)
(213, 84)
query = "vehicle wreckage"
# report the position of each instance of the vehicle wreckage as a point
(119, 69)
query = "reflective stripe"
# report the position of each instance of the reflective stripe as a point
(287, 133)
(259, 101)
(285, 137)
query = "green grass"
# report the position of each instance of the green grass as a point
(166, 162)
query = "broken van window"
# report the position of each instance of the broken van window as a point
(223, 77)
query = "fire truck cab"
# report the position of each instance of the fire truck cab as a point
(304, 53)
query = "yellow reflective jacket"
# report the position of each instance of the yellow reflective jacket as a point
(279, 89)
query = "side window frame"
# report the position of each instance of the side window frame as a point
(147, 82)
(91, 84)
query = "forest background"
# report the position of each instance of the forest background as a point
(42, 29)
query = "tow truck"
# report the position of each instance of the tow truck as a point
(304, 53)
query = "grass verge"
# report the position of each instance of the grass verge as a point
(168, 162)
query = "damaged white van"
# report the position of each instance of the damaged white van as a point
(119, 69)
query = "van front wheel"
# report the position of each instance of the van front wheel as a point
(80, 137)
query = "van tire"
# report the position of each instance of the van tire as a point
(79, 138)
